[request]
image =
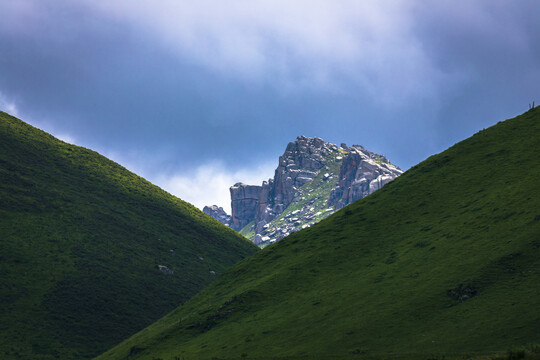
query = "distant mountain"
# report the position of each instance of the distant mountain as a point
(442, 262)
(91, 253)
(314, 178)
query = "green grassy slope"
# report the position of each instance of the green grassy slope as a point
(81, 239)
(443, 260)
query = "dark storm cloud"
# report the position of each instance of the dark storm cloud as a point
(491, 49)
(179, 90)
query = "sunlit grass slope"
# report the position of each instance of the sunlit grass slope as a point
(81, 239)
(443, 261)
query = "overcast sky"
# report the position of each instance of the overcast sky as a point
(198, 95)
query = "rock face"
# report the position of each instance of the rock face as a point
(298, 165)
(245, 201)
(218, 213)
(313, 179)
(361, 173)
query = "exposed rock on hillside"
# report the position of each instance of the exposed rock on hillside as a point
(297, 166)
(313, 179)
(361, 173)
(245, 201)
(218, 213)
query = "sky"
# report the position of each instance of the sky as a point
(198, 95)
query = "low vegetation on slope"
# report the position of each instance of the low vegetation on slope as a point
(443, 261)
(90, 253)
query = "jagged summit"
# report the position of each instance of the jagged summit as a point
(313, 179)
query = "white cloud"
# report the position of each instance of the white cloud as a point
(293, 43)
(8, 105)
(378, 47)
(209, 183)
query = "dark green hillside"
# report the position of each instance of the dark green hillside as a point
(81, 239)
(443, 261)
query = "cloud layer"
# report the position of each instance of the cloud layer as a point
(209, 184)
(291, 44)
(169, 85)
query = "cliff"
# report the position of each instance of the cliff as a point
(313, 179)
(361, 173)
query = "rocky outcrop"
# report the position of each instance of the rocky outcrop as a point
(218, 213)
(313, 179)
(245, 200)
(165, 270)
(361, 173)
(298, 165)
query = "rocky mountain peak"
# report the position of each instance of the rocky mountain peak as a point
(313, 179)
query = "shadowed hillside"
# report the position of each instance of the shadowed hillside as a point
(442, 261)
(90, 253)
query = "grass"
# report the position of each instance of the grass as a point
(249, 230)
(443, 262)
(81, 239)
